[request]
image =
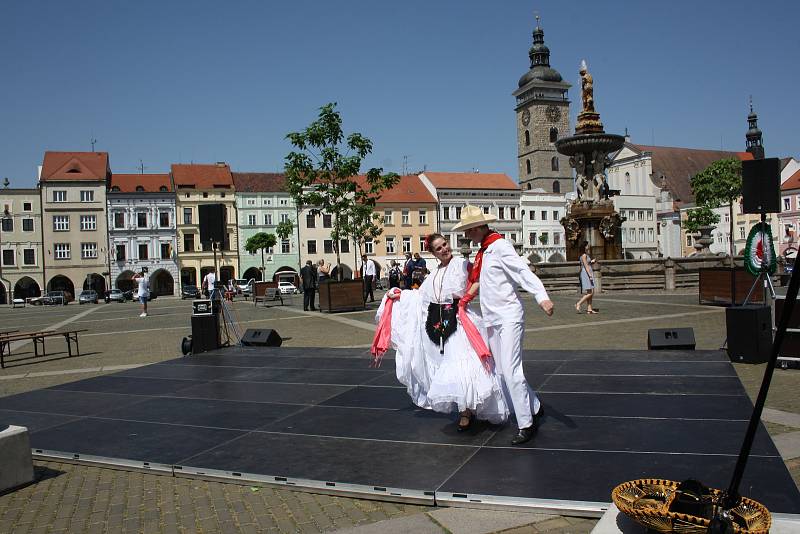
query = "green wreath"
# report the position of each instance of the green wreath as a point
(759, 254)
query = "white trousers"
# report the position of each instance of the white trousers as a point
(505, 342)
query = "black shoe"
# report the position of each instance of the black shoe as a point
(305, 309)
(313, 309)
(464, 428)
(524, 435)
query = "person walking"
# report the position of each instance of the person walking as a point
(586, 279)
(308, 276)
(143, 291)
(368, 274)
(501, 273)
(408, 270)
(210, 284)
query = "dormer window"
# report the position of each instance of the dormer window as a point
(115, 188)
(139, 188)
(163, 188)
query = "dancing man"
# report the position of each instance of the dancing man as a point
(501, 272)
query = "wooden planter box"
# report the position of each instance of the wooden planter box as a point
(715, 286)
(346, 295)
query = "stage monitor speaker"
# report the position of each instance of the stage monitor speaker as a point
(670, 339)
(212, 223)
(749, 333)
(761, 185)
(205, 333)
(255, 337)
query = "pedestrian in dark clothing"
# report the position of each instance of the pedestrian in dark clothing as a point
(368, 274)
(408, 270)
(394, 275)
(308, 276)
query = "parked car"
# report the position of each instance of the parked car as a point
(247, 291)
(244, 284)
(117, 295)
(287, 288)
(190, 292)
(87, 295)
(56, 297)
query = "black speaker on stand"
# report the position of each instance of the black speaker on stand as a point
(212, 223)
(749, 333)
(205, 333)
(761, 186)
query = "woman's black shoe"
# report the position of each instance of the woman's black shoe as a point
(464, 427)
(524, 435)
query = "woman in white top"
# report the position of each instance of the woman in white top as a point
(586, 279)
(434, 357)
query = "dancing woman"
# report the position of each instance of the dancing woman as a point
(435, 338)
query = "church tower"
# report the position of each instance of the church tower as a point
(542, 117)
(754, 145)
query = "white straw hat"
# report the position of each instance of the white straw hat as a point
(472, 216)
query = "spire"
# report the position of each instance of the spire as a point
(539, 53)
(754, 141)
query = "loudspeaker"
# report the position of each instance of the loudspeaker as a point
(212, 223)
(761, 185)
(254, 337)
(670, 339)
(749, 333)
(205, 333)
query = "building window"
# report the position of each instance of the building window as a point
(727, 218)
(61, 251)
(405, 217)
(651, 235)
(87, 196)
(501, 213)
(741, 232)
(268, 219)
(556, 186)
(28, 256)
(7, 224)
(641, 215)
(285, 246)
(555, 215)
(543, 238)
(786, 206)
(8, 257)
(514, 237)
(532, 238)
(544, 215)
(59, 196)
(327, 246)
(406, 244)
(165, 251)
(388, 217)
(61, 223)
(458, 213)
(532, 215)
(143, 251)
(141, 219)
(528, 166)
(632, 235)
(649, 215)
(121, 253)
(188, 242)
(251, 219)
(163, 219)
(513, 213)
(326, 221)
(641, 235)
(553, 135)
(88, 250)
(445, 213)
(27, 225)
(422, 240)
(27, 206)
(119, 219)
(527, 138)
(312, 246)
(344, 246)
(390, 245)
(284, 217)
(369, 246)
(486, 210)
(311, 220)
(88, 222)
(556, 238)
(554, 163)
(187, 216)
(284, 202)
(423, 217)
(251, 202)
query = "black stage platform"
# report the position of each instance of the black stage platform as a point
(321, 419)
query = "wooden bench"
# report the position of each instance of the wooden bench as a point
(38, 338)
(271, 294)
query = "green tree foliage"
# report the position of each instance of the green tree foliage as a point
(718, 184)
(321, 171)
(702, 216)
(360, 224)
(284, 229)
(260, 241)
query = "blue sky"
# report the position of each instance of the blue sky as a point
(202, 81)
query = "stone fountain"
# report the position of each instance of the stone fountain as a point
(591, 217)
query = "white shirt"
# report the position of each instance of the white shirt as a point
(144, 290)
(368, 268)
(503, 272)
(210, 281)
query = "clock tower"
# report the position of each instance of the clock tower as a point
(542, 117)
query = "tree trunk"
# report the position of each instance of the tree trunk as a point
(339, 276)
(263, 269)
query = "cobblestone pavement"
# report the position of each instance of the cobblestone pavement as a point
(76, 498)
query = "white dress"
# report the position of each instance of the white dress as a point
(452, 381)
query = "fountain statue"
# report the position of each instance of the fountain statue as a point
(591, 217)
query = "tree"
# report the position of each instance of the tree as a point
(718, 184)
(320, 171)
(260, 241)
(359, 224)
(701, 216)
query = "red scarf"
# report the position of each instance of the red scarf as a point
(475, 273)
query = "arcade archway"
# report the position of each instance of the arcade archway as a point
(96, 282)
(252, 272)
(61, 283)
(556, 258)
(286, 274)
(188, 276)
(3, 297)
(162, 283)
(26, 287)
(125, 281)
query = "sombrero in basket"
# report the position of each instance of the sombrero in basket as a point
(472, 216)
(647, 501)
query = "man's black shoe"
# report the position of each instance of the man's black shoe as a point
(524, 435)
(313, 309)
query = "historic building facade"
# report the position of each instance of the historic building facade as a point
(142, 232)
(261, 204)
(21, 273)
(197, 184)
(542, 233)
(73, 189)
(542, 111)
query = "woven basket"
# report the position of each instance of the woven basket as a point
(647, 501)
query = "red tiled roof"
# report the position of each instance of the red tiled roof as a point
(409, 190)
(679, 165)
(90, 166)
(254, 182)
(792, 182)
(470, 180)
(202, 176)
(150, 183)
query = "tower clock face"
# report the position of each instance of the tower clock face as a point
(526, 117)
(553, 113)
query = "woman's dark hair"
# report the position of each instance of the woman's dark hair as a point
(430, 239)
(584, 245)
